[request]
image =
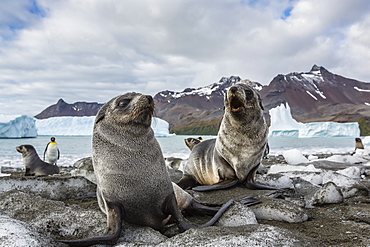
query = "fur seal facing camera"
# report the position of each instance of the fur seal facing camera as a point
(132, 182)
(235, 155)
(191, 142)
(33, 164)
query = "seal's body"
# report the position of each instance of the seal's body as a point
(51, 153)
(132, 182)
(234, 156)
(33, 164)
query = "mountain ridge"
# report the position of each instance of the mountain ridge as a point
(314, 96)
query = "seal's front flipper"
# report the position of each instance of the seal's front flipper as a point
(251, 184)
(224, 184)
(248, 201)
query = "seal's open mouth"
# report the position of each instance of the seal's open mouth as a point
(236, 104)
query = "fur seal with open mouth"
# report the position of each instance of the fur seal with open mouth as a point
(33, 164)
(235, 155)
(132, 182)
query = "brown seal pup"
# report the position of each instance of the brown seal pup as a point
(33, 164)
(191, 142)
(132, 182)
(235, 155)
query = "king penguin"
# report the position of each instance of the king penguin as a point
(51, 152)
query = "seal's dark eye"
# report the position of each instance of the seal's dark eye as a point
(248, 94)
(124, 102)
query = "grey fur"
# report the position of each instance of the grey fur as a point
(33, 164)
(239, 147)
(132, 181)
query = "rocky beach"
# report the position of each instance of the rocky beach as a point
(321, 202)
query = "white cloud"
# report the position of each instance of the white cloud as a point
(93, 50)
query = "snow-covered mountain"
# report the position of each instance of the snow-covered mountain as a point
(63, 109)
(196, 110)
(314, 96)
(319, 95)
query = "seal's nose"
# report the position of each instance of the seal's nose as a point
(150, 99)
(233, 89)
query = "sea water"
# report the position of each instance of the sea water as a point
(73, 148)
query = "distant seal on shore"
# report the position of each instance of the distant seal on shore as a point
(359, 144)
(173, 162)
(235, 155)
(132, 182)
(51, 152)
(191, 142)
(33, 164)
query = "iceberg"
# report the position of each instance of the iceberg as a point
(17, 126)
(283, 125)
(65, 126)
(329, 129)
(82, 126)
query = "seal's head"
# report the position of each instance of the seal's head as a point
(243, 102)
(24, 149)
(127, 109)
(191, 142)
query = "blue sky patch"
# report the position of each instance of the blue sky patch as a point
(287, 13)
(35, 9)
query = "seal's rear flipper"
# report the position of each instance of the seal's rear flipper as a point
(114, 222)
(217, 186)
(249, 201)
(219, 213)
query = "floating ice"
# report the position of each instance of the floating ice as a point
(329, 129)
(82, 126)
(12, 126)
(283, 125)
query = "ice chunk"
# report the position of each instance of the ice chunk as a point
(329, 129)
(17, 126)
(75, 126)
(283, 125)
(282, 122)
(366, 140)
(294, 157)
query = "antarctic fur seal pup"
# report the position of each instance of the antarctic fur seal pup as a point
(173, 162)
(235, 155)
(33, 164)
(191, 142)
(132, 182)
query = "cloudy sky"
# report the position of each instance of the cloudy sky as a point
(93, 50)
